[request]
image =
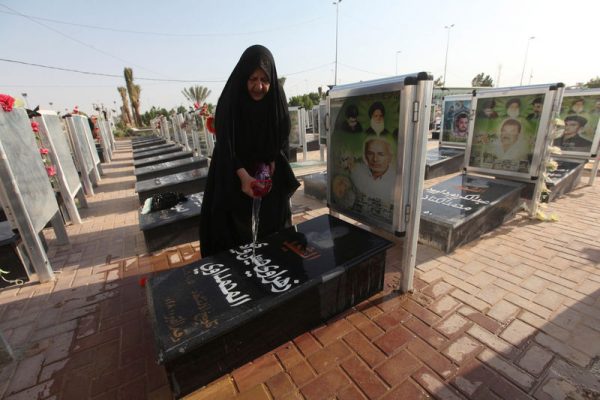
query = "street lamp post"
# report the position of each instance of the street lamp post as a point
(337, 9)
(525, 60)
(25, 97)
(398, 52)
(448, 27)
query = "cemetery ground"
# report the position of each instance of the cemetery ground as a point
(512, 315)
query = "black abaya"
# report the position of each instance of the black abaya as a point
(248, 132)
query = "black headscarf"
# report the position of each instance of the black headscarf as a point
(254, 131)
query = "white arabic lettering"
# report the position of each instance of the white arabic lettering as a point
(227, 286)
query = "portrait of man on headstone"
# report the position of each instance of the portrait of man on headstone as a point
(507, 142)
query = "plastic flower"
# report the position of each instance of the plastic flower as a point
(51, 170)
(35, 126)
(44, 151)
(7, 102)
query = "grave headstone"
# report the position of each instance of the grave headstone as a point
(187, 182)
(144, 162)
(170, 167)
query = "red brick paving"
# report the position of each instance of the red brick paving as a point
(513, 315)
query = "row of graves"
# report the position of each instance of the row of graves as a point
(171, 170)
(512, 151)
(48, 165)
(207, 315)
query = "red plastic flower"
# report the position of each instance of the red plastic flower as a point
(50, 170)
(210, 125)
(7, 102)
(196, 105)
(142, 281)
(75, 110)
(35, 126)
(44, 151)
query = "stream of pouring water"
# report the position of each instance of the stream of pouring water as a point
(255, 219)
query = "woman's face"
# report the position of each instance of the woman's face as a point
(258, 84)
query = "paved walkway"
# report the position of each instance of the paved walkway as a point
(513, 315)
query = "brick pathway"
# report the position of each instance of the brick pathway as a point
(513, 315)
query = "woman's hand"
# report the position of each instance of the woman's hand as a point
(272, 167)
(246, 181)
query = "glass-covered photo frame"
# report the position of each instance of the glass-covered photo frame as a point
(364, 153)
(580, 110)
(456, 117)
(295, 126)
(508, 131)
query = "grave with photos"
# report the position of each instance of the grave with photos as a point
(503, 157)
(580, 111)
(84, 149)
(207, 315)
(187, 182)
(449, 156)
(173, 148)
(69, 183)
(462, 208)
(144, 162)
(26, 195)
(176, 225)
(170, 167)
(564, 178)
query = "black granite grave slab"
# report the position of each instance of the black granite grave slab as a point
(315, 185)
(220, 312)
(162, 158)
(147, 143)
(170, 167)
(463, 208)
(565, 177)
(152, 148)
(187, 182)
(173, 148)
(177, 225)
(9, 256)
(443, 161)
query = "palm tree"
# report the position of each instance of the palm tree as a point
(135, 102)
(128, 72)
(196, 94)
(126, 114)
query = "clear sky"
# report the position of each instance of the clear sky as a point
(202, 40)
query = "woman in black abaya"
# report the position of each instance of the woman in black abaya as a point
(252, 127)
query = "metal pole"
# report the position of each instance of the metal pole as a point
(525, 60)
(337, 8)
(447, 47)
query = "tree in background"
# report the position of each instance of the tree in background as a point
(196, 94)
(593, 83)
(307, 101)
(134, 96)
(482, 80)
(153, 113)
(281, 80)
(125, 112)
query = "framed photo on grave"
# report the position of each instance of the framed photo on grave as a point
(456, 116)
(508, 131)
(296, 126)
(365, 153)
(323, 122)
(51, 129)
(580, 109)
(81, 147)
